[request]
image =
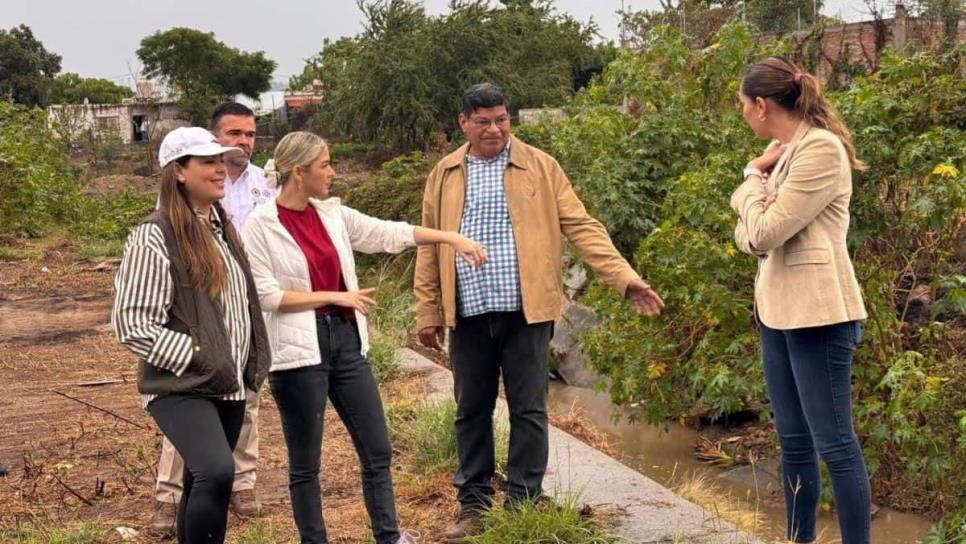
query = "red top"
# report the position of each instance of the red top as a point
(325, 272)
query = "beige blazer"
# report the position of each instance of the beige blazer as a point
(805, 277)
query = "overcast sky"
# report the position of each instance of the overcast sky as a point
(98, 38)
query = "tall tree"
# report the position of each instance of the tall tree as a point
(203, 70)
(26, 67)
(71, 88)
(399, 81)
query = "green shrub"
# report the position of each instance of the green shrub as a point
(106, 220)
(351, 151)
(396, 192)
(107, 147)
(37, 187)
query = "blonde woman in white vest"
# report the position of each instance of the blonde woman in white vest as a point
(793, 210)
(301, 245)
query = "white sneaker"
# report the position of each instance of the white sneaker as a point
(409, 536)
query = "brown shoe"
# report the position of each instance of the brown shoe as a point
(469, 523)
(162, 522)
(245, 504)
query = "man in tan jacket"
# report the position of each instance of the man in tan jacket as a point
(516, 200)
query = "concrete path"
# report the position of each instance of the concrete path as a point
(648, 512)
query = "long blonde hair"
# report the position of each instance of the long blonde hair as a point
(297, 148)
(196, 247)
(798, 91)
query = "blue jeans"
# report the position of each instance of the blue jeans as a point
(808, 374)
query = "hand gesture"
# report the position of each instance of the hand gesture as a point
(644, 299)
(360, 301)
(473, 252)
(768, 159)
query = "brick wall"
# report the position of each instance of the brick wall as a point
(861, 43)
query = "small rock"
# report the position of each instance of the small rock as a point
(126, 533)
(575, 279)
(45, 270)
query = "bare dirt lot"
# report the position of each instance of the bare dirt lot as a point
(82, 450)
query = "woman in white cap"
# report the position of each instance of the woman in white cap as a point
(301, 248)
(187, 306)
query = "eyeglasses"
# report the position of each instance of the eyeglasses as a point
(483, 124)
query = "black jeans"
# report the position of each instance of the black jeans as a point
(344, 376)
(808, 373)
(204, 431)
(482, 348)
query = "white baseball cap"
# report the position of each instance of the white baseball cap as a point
(190, 141)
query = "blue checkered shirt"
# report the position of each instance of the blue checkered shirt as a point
(494, 287)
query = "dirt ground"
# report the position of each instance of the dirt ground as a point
(81, 448)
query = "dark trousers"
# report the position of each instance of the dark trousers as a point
(482, 348)
(204, 431)
(808, 373)
(345, 377)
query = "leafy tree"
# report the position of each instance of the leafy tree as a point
(71, 88)
(203, 70)
(400, 80)
(948, 12)
(699, 20)
(26, 67)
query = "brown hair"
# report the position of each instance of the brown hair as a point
(797, 91)
(202, 259)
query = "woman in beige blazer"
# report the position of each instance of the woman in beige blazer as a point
(793, 215)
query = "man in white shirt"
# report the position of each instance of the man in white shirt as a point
(233, 124)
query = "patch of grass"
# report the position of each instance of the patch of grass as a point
(432, 436)
(258, 532)
(701, 490)
(429, 433)
(392, 319)
(16, 254)
(97, 249)
(542, 522)
(382, 357)
(38, 533)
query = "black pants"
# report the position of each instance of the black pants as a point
(204, 431)
(345, 376)
(482, 348)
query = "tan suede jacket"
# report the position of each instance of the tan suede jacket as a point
(542, 206)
